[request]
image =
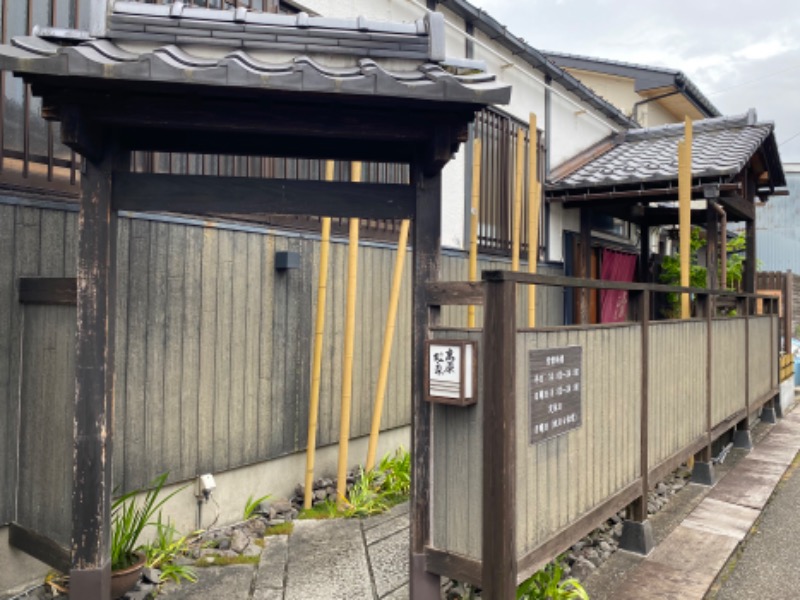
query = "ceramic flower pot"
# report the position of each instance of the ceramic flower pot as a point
(123, 580)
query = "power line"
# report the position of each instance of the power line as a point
(751, 81)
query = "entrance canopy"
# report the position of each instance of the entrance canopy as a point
(181, 79)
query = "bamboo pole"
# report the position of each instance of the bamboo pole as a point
(316, 368)
(534, 207)
(516, 232)
(388, 337)
(473, 222)
(349, 339)
(684, 211)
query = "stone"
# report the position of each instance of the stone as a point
(605, 547)
(151, 575)
(320, 495)
(578, 546)
(239, 541)
(661, 488)
(224, 544)
(281, 506)
(257, 527)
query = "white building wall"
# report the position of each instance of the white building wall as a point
(574, 125)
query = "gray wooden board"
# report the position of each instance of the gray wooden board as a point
(8, 430)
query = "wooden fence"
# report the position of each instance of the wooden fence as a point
(653, 394)
(212, 351)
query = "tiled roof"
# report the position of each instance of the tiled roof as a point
(240, 48)
(720, 147)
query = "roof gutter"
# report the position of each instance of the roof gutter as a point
(636, 105)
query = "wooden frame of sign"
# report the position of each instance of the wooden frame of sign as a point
(451, 373)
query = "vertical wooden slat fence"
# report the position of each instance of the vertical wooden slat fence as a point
(687, 377)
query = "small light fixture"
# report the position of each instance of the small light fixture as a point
(287, 260)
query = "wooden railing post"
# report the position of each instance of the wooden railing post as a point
(637, 532)
(499, 548)
(703, 469)
(742, 438)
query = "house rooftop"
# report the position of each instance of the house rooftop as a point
(646, 78)
(239, 48)
(721, 147)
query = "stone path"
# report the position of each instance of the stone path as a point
(340, 559)
(686, 564)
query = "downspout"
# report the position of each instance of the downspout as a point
(636, 105)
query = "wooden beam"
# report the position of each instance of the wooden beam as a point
(206, 195)
(455, 293)
(39, 546)
(572, 199)
(499, 547)
(454, 566)
(738, 208)
(48, 290)
(427, 251)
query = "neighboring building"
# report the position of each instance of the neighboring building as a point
(650, 96)
(778, 231)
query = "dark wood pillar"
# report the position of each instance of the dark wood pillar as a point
(427, 248)
(499, 546)
(750, 264)
(90, 574)
(644, 253)
(712, 248)
(585, 261)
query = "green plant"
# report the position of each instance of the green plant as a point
(252, 505)
(129, 518)
(215, 560)
(279, 529)
(396, 471)
(364, 498)
(164, 549)
(323, 510)
(548, 584)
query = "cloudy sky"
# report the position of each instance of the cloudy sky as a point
(741, 54)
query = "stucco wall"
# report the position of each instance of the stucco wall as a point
(574, 126)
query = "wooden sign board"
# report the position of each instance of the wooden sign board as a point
(451, 372)
(555, 390)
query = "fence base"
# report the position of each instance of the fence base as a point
(703, 473)
(637, 537)
(769, 414)
(742, 439)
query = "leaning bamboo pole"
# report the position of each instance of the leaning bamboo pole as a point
(685, 210)
(349, 340)
(534, 207)
(388, 337)
(473, 222)
(316, 368)
(516, 231)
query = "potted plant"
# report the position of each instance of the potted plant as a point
(128, 520)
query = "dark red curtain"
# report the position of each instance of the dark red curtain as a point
(617, 266)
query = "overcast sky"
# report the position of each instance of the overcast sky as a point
(741, 54)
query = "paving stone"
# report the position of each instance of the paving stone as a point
(327, 560)
(272, 567)
(395, 511)
(400, 593)
(389, 561)
(387, 528)
(231, 581)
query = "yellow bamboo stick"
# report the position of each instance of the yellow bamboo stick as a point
(684, 210)
(473, 223)
(534, 200)
(388, 337)
(349, 339)
(517, 216)
(316, 368)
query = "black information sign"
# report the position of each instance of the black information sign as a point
(556, 384)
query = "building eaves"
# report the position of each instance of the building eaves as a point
(646, 77)
(521, 49)
(721, 148)
(246, 49)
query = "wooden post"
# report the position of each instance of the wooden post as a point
(751, 262)
(516, 231)
(644, 253)
(712, 238)
(534, 207)
(637, 532)
(90, 574)
(585, 261)
(788, 293)
(474, 223)
(427, 249)
(499, 568)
